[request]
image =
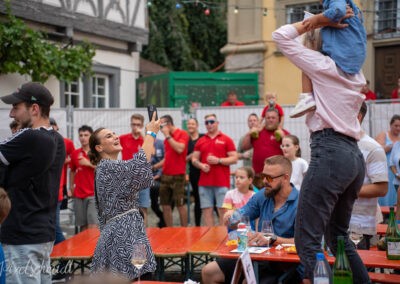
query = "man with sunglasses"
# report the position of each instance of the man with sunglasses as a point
(213, 154)
(276, 202)
(266, 144)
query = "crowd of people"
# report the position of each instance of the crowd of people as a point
(114, 180)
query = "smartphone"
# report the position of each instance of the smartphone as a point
(150, 110)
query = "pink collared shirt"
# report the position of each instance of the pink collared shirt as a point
(337, 94)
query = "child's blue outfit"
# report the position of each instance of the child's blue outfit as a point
(347, 46)
(2, 266)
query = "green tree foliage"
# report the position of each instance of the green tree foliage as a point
(186, 39)
(27, 52)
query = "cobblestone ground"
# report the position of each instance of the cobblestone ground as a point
(171, 274)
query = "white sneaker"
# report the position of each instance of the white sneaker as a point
(306, 103)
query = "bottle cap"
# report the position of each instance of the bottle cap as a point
(320, 256)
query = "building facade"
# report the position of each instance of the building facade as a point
(250, 47)
(117, 29)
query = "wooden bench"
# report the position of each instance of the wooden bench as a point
(384, 278)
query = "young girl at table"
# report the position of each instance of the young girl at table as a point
(291, 150)
(238, 197)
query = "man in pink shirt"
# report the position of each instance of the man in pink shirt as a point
(337, 168)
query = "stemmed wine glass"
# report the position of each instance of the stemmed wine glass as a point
(355, 233)
(268, 231)
(139, 257)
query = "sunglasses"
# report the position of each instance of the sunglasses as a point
(207, 122)
(269, 178)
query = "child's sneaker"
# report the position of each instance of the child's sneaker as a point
(306, 103)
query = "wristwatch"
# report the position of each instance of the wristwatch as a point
(273, 239)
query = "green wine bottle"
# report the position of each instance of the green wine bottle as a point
(392, 238)
(341, 269)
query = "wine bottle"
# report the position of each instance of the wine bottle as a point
(392, 238)
(342, 273)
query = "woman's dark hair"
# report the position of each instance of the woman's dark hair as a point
(296, 142)
(94, 140)
(394, 118)
(250, 174)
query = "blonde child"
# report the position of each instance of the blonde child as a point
(291, 150)
(270, 101)
(5, 207)
(238, 197)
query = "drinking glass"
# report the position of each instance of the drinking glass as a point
(139, 257)
(245, 219)
(268, 231)
(355, 233)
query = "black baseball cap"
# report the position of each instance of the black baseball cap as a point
(31, 92)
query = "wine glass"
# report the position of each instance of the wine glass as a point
(245, 219)
(139, 257)
(267, 231)
(355, 233)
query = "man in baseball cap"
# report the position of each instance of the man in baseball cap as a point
(31, 92)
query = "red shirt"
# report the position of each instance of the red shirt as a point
(265, 146)
(237, 103)
(69, 148)
(278, 107)
(175, 163)
(130, 145)
(370, 95)
(219, 146)
(395, 93)
(84, 176)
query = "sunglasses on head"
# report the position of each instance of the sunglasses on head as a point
(269, 178)
(207, 122)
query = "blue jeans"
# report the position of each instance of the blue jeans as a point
(28, 264)
(59, 234)
(329, 189)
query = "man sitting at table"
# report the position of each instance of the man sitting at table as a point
(277, 202)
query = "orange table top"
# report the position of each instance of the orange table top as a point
(386, 209)
(371, 258)
(210, 241)
(175, 241)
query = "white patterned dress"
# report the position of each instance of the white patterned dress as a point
(118, 184)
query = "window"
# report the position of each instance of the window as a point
(99, 97)
(295, 13)
(72, 94)
(387, 19)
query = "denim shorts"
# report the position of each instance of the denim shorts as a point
(210, 195)
(144, 198)
(28, 264)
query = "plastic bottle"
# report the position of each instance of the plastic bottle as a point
(392, 238)
(242, 237)
(322, 270)
(342, 273)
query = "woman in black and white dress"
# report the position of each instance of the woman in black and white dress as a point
(117, 185)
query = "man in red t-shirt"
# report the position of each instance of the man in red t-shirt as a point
(172, 186)
(213, 154)
(82, 181)
(369, 95)
(232, 100)
(396, 92)
(267, 144)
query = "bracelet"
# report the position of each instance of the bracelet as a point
(152, 134)
(219, 162)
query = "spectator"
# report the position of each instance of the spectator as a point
(365, 209)
(277, 196)
(172, 187)
(291, 150)
(387, 139)
(213, 154)
(267, 144)
(117, 197)
(157, 162)
(369, 95)
(232, 100)
(35, 156)
(131, 143)
(394, 164)
(82, 182)
(396, 91)
(247, 155)
(5, 207)
(194, 173)
(330, 183)
(270, 101)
